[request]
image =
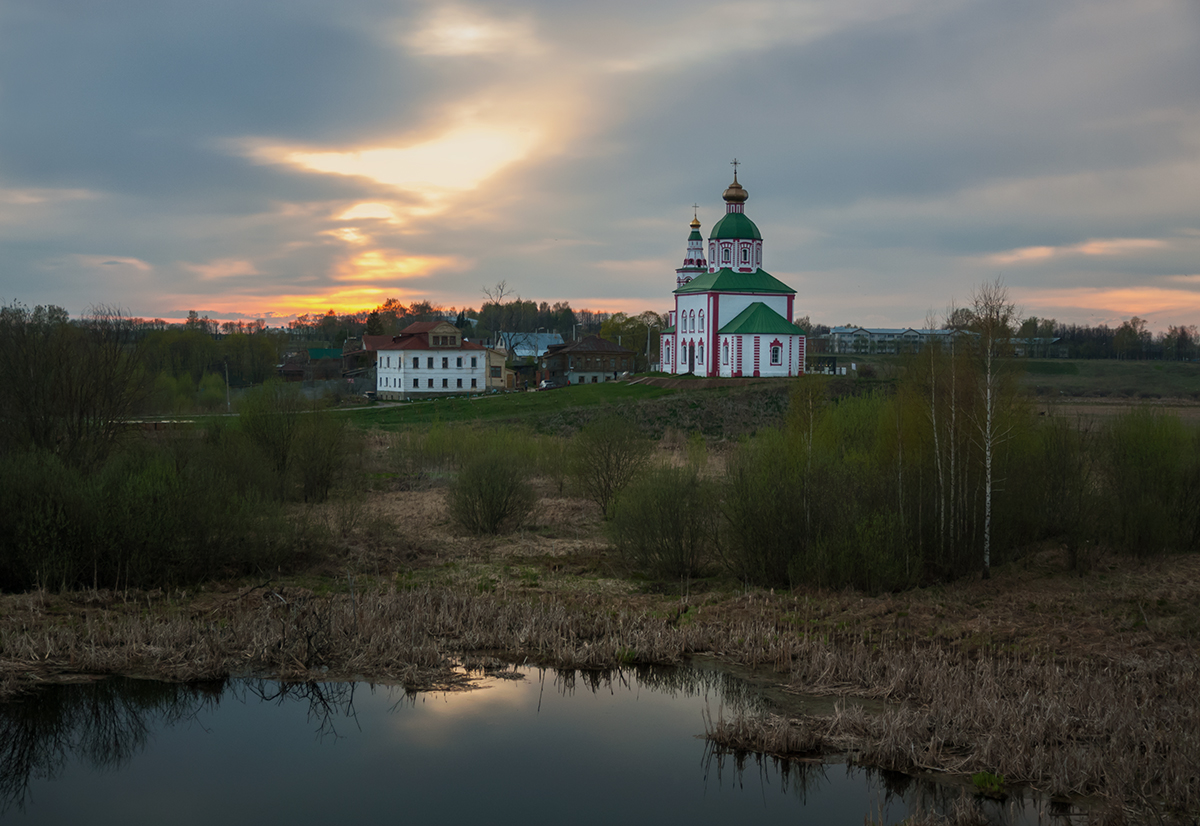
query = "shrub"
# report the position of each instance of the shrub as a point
(320, 452)
(1152, 467)
(605, 457)
(270, 417)
(665, 523)
(492, 493)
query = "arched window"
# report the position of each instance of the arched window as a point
(692, 321)
(745, 255)
(725, 353)
(702, 320)
(725, 255)
(700, 352)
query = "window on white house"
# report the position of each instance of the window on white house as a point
(776, 354)
(416, 383)
(416, 362)
(745, 255)
(472, 362)
(429, 364)
(472, 382)
(460, 382)
(445, 382)
(702, 319)
(431, 380)
(700, 352)
(725, 255)
(459, 364)
(445, 363)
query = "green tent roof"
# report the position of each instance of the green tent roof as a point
(726, 280)
(695, 236)
(735, 225)
(760, 319)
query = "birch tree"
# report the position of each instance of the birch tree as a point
(994, 319)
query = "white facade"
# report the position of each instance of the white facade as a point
(429, 359)
(731, 288)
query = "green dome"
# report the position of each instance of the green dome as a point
(735, 225)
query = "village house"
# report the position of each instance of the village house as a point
(429, 358)
(588, 361)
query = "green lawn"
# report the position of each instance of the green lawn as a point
(501, 406)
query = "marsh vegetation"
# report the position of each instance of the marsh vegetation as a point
(834, 537)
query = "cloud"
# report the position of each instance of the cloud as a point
(290, 156)
(1094, 247)
(120, 262)
(384, 266)
(454, 30)
(223, 268)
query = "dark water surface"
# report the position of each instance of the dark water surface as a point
(548, 748)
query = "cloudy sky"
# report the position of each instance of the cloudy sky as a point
(285, 156)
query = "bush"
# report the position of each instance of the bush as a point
(665, 523)
(605, 457)
(492, 493)
(320, 452)
(142, 519)
(1152, 469)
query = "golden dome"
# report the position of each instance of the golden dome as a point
(695, 223)
(736, 194)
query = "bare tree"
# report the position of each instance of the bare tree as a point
(69, 387)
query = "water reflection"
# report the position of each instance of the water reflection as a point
(102, 723)
(622, 741)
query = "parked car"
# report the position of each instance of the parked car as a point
(551, 384)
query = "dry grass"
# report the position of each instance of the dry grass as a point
(1074, 685)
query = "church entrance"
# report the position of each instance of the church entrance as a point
(692, 357)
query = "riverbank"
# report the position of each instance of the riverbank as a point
(1073, 685)
(1077, 684)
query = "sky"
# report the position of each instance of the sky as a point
(276, 157)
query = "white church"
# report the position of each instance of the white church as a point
(731, 317)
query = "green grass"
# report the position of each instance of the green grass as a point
(499, 407)
(1111, 378)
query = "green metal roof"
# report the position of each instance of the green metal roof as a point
(317, 353)
(760, 319)
(666, 330)
(695, 236)
(726, 280)
(735, 225)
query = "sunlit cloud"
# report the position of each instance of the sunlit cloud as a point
(351, 235)
(27, 197)
(756, 26)
(369, 209)
(457, 31)
(280, 308)
(1118, 301)
(223, 268)
(1102, 247)
(456, 161)
(382, 266)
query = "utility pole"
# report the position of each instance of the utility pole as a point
(647, 346)
(228, 408)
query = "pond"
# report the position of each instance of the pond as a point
(525, 746)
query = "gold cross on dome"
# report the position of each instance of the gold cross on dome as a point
(735, 163)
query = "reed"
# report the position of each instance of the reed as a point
(1127, 731)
